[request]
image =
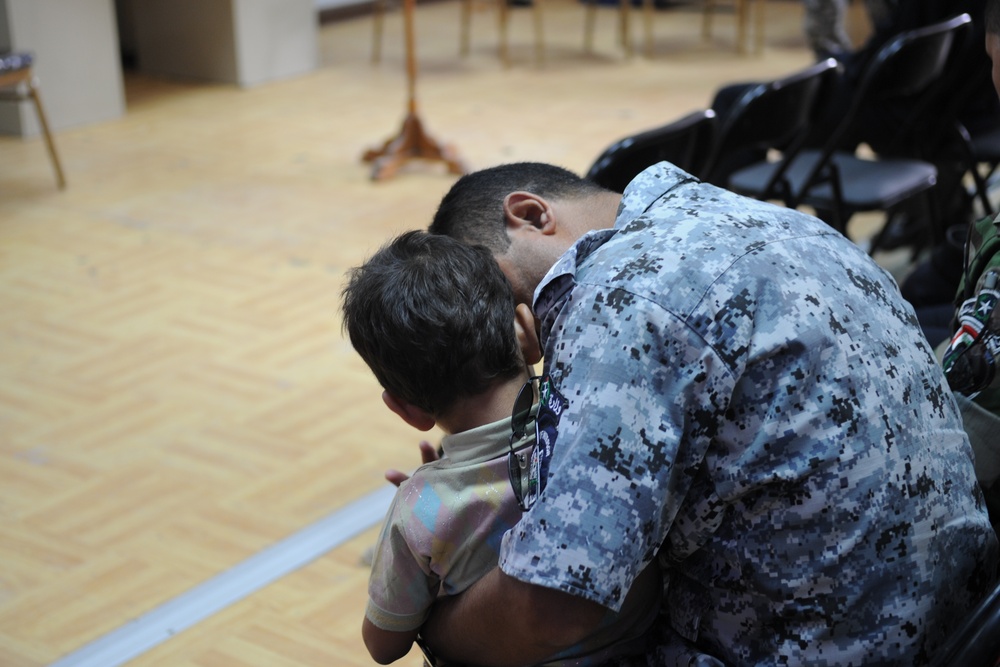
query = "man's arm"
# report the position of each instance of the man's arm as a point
(503, 622)
(386, 646)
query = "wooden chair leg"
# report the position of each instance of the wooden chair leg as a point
(378, 16)
(625, 26)
(49, 143)
(536, 10)
(465, 20)
(647, 15)
(742, 10)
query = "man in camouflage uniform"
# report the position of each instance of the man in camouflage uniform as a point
(825, 25)
(749, 400)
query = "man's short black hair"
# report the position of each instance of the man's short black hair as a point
(472, 211)
(433, 318)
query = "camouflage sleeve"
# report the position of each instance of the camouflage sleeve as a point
(637, 381)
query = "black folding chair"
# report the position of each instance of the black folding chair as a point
(772, 116)
(684, 142)
(838, 183)
(934, 128)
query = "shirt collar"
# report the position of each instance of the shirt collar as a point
(560, 277)
(639, 196)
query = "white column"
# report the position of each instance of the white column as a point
(246, 42)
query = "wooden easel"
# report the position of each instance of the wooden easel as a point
(412, 142)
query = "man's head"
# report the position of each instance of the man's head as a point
(991, 24)
(473, 210)
(526, 213)
(434, 320)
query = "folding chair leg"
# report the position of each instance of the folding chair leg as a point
(465, 20)
(624, 25)
(980, 181)
(706, 19)
(741, 25)
(47, 134)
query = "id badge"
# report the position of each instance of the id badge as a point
(550, 408)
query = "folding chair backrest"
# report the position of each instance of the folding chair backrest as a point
(775, 114)
(684, 142)
(904, 67)
(913, 60)
(964, 79)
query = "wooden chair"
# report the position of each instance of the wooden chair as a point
(684, 142)
(742, 9)
(18, 83)
(503, 17)
(624, 25)
(843, 182)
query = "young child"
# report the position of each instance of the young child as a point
(436, 322)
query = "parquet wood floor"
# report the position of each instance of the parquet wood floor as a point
(175, 392)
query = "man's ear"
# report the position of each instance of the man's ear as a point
(416, 417)
(525, 209)
(527, 334)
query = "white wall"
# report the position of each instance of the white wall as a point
(330, 4)
(75, 44)
(246, 42)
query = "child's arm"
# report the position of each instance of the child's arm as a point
(386, 646)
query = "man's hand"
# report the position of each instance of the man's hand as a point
(503, 622)
(428, 453)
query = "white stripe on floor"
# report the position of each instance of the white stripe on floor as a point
(167, 620)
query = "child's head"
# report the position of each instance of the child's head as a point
(434, 320)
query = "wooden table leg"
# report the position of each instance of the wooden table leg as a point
(412, 142)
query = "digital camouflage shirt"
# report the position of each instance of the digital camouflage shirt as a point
(443, 531)
(750, 399)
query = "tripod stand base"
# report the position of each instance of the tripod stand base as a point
(412, 142)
